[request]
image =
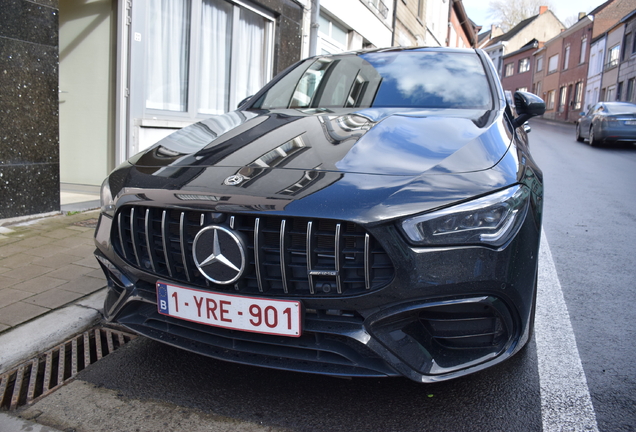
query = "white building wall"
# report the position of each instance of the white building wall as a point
(594, 72)
(437, 22)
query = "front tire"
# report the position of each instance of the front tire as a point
(579, 138)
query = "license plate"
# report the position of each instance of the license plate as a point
(257, 315)
(630, 122)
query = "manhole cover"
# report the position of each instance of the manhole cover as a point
(46, 373)
(88, 223)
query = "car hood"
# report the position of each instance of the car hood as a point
(365, 166)
(372, 141)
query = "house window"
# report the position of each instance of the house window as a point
(524, 65)
(540, 64)
(578, 95)
(537, 89)
(619, 92)
(629, 96)
(553, 63)
(420, 9)
(562, 98)
(634, 45)
(510, 69)
(523, 89)
(583, 48)
(333, 36)
(566, 57)
(204, 57)
(612, 56)
(550, 100)
(610, 94)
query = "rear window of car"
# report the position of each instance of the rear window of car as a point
(410, 79)
(620, 108)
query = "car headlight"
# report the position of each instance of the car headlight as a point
(490, 220)
(106, 200)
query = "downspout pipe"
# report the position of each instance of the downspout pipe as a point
(313, 27)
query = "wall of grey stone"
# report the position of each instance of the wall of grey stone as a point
(288, 40)
(29, 137)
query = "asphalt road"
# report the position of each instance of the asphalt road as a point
(576, 374)
(590, 223)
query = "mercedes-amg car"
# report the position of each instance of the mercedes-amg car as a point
(367, 214)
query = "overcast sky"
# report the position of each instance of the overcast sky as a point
(477, 10)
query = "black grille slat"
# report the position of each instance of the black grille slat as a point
(318, 257)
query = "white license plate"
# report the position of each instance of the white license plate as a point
(276, 317)
(630, 122)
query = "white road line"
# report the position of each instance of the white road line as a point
(565, 398)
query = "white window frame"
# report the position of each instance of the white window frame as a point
(539, 64)
(524, 65)
(509, 69)
(553, 64)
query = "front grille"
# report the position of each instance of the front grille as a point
(285, 256)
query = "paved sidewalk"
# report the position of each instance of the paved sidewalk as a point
(46, 264)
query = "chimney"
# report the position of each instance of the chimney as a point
(582, 15)
(542, 9)
(492, 29)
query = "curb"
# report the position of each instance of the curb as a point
(35, 337)
(9, 423)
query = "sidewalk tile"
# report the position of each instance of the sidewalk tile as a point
(84, 285)
(35, 241)
(82, 251)
(81, 229)
(9, 296)
(74, 241)
(28, 272)
(88, 262)
(11, 249)
(46, 251)
(4, 269)
(97, 274)
(69, 272)
(6, 282)
(18, 313)
(53, 298)
(88, 234)
(60, 233)
(3, 327)
(17, 261)
(39, 284)
(59, 260)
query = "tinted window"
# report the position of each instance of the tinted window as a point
(417, 79)
(620, 108)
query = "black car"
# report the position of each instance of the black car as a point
(607, 122)
(366, 214)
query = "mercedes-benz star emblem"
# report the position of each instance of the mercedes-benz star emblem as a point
(234, 180)
(219, 254)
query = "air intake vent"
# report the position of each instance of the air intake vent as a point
(286, 256)
(474, 325)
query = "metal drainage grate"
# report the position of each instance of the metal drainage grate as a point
(46, 373)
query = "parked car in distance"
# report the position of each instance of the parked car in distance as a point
(607, 122)
(365, 214)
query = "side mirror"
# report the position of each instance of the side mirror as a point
(528, 105)
(527, 128)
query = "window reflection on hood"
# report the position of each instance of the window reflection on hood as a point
(410, 79)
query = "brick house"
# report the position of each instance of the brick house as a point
(574, 65)
(518, 68)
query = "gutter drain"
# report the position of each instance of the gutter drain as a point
(42, 375)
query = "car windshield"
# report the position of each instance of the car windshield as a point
(620, 108)
(410, 79)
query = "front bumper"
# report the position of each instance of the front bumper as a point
(447, 312)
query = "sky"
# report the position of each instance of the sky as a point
(477, 10)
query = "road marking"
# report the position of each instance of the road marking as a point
(565, 398)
